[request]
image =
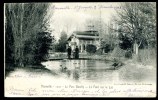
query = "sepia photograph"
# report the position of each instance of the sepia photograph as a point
(81, 49)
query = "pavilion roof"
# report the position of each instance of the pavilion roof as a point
(85, 35)
(88, 33)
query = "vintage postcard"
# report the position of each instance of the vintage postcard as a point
(82, 49)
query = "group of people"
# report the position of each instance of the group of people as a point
(75, 52)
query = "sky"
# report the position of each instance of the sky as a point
(70, 17)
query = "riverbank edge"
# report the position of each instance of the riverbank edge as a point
(10, 68)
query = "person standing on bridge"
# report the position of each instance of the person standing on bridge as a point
(69, 52)
(76, 52)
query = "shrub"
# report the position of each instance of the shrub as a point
(91, 48)
(118, 52)
(99, 51)
(107, 48)
(128, 54)
(126, 42)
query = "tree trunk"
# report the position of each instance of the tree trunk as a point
(103, 52)
(20, 64)
(135, 51)
(148, 51)
(135, 48)
(22, 15)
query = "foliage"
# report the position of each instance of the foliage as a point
(128, 53)
(138, 22)
(22, 23)
(9, 44)
(36, 50)
(107, 46)
(99, 51)
(118, 52)
(90, 48)
(126, 42)
(96, 24)
(61, 45)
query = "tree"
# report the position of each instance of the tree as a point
(9, 41)
(137, 21)
(23, 22)
(97, 25)
(61, 45)
(37, 50)
(43, 44)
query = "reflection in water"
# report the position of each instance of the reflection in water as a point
(68, 73)
(96, 70)
(76, 74)
(91, 74)
(86, 69)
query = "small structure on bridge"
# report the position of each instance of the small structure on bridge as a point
(83, 38)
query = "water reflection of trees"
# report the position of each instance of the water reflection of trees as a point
(76, 74)
(68, 73)
(90, 74)
(89, 70)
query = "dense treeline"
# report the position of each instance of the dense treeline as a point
(26, 39)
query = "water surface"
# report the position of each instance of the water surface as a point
(84, 70)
